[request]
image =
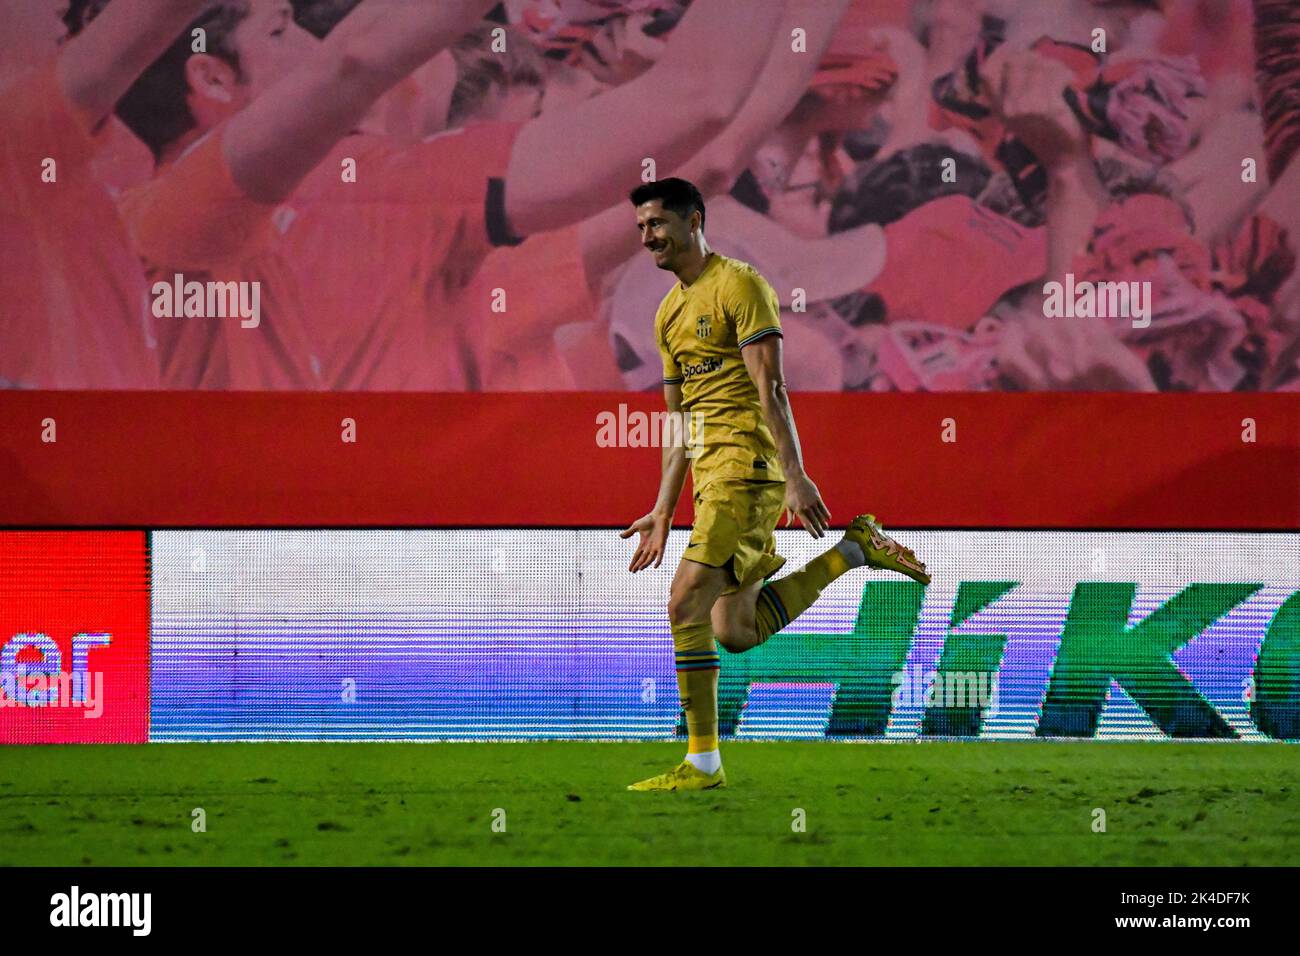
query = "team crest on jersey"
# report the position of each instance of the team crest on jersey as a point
(704, 326)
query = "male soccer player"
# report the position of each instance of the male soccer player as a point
(719, 333)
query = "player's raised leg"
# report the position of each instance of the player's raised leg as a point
(747, 618)
(695, 588)
(734, 618)
(750, 616)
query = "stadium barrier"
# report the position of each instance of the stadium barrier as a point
(470, 634)
(74, 637)
(491, 460)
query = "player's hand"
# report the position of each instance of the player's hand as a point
(654, 536)
(802, 499)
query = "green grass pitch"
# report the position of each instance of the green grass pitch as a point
(935, 804)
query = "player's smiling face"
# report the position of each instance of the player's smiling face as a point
(663, 232)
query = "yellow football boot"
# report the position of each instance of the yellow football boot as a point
(882, 551)
(685, 776)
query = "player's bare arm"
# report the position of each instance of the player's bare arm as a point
(570, 165)
(280, 137)
(655, 525)
(98, 66)
(802, 499)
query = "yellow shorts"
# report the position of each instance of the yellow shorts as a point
(734, 521)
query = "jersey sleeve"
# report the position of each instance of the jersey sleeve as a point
(193, 215)
(754, 308)
(672, 372)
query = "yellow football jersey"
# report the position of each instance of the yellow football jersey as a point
(701, 329)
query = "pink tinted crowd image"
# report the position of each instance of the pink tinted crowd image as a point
(408, 195)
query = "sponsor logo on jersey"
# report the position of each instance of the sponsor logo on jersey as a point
(701, 368)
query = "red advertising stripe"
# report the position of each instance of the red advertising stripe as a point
(478, 460)
(74, 637)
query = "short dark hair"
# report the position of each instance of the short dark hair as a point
(155, 106)
(676, 194)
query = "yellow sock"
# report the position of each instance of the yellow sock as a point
(698, 662)
(780, 602)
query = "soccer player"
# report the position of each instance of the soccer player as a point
(719, 333)
(72, 297)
